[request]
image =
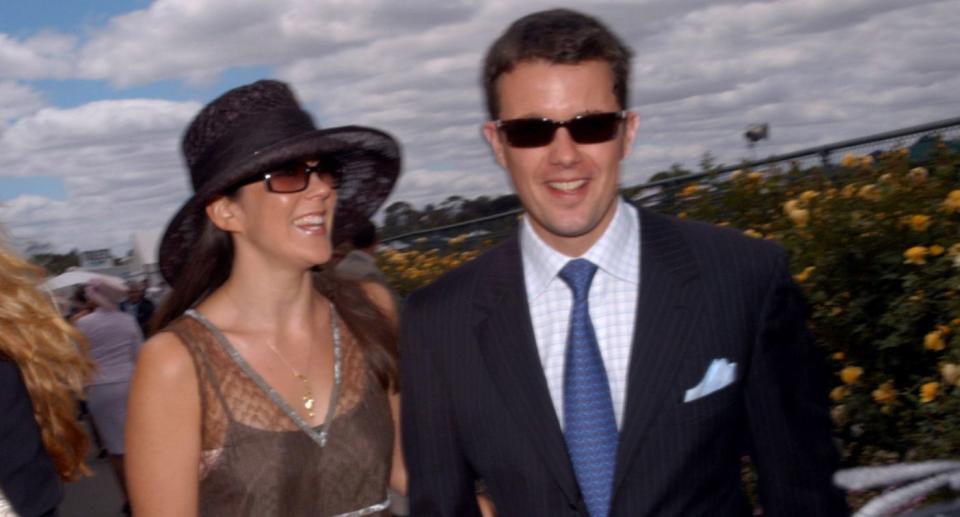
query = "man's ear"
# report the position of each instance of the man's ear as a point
(222, 211)
(631, 124)
(492, 135)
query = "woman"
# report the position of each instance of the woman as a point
(115, 339)
(42, 373)
(279, 382)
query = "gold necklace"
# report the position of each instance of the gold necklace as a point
(308, 399)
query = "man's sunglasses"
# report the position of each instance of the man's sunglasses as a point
(592, 128)
(295, 176)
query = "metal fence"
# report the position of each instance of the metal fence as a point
(825, 158)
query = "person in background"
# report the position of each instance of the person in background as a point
(606, 360)
(115, 340)
(43, 369)
(361, 262)
(138, 305)
(79, 307)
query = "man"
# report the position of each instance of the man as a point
(361, 263)
(605, 360)
(138, 305)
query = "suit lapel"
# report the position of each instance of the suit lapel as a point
(669, 291)
(508, 345)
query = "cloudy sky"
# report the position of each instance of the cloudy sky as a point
(94, 94)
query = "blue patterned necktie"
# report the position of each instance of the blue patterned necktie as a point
(590, 427)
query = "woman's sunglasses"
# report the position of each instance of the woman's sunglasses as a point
(295, 176)
(592, 128)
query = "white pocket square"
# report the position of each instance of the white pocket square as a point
(720, 374)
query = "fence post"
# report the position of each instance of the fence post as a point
(826, 165)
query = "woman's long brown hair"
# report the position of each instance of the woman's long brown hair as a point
(51, 356)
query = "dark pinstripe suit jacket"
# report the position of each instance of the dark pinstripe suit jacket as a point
(476, 405)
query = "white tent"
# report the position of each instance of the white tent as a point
(75, 277)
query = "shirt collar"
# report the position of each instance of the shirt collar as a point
(542, 263)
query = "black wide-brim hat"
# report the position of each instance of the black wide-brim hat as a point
(253, 129)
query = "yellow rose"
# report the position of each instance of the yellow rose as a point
(918, 174)
(849, 191)
(839, 356)
(916, 255)
(735, 175)
(850, 160)
(950, 373)
(690, 190)
(869, 192)
(951, 204)
(928, 391)
(866, 161)
(954, 250)
(808, 195)
(886, 178)
(838, 393)
(885, 394)
(790, 205)
(919, 222)
(936, 250)
(934, 341)
(851, 374)
(804, 275)
(755, 176)
(800, 217)
(750, 232)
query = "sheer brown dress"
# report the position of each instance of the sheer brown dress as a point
(260, 458)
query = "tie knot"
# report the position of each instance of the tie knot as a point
(578, 273)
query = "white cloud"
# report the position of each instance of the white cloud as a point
(16, 100)
(119, 162)
(44, 55)
(816, 70)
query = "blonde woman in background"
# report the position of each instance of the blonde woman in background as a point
(42, 373)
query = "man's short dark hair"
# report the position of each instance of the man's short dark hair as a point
(365, 236)
(558, 36)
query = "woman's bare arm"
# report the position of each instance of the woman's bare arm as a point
(163, 431)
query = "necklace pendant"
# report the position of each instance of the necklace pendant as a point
(308, 405)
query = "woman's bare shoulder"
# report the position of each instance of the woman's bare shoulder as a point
(165, 357)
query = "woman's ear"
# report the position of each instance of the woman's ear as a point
(223, 212)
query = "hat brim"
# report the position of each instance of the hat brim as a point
(369, 165)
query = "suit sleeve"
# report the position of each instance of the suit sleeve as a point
(787, 405)
(441, 483)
